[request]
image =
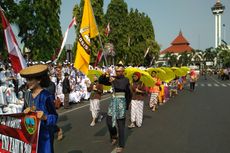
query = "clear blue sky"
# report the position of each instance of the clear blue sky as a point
(193, 17)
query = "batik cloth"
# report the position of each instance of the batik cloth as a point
(117, 108)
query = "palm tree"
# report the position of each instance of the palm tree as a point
(210, 54)
(223, 55)
(185, 58)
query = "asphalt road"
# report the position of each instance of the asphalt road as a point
(192, 122)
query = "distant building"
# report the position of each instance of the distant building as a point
(178, 45)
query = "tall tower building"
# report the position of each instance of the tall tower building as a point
(218, 10)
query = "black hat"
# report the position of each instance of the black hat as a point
(66, 74)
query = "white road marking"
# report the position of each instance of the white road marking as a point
(60, 114)
(224, 85)
(215, 80)
(202, 85)
(209, 84)
(216, 85)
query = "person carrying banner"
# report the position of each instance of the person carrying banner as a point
(42, 102)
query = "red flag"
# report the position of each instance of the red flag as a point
(107, 30)
(17, 60)
(99, 57)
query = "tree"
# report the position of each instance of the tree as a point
(172, 59)
(209, 54)
(184, 59)
(116, 15)
(223, 53)
(39, 27)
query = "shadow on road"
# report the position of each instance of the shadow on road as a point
(101, 132)
(75, 151)
(128, 132)
(62, 118)
(147, 117)
(66, 127)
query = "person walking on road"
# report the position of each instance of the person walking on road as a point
(137, 103)
(41, 101)
(96, 90)
(121, 98)
(154, 92)
(193, 79)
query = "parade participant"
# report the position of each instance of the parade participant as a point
(173, 87)
(154, 92)
(166, 92)
(161, 96)
(180, 84)
(42, 102)
(193, 79)
(66, 90)
(118, 105)
(137, 103)
(96, 90)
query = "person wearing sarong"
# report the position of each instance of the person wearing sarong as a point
(41, 101)
(121, 98)
(96, 90)
(154, 92)
(137, 103)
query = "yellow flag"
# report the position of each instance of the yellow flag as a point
(88, 30)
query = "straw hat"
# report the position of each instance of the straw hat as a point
(34, 71)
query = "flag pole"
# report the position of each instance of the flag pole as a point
(103, 50)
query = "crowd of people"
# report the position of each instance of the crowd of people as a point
(39, 86)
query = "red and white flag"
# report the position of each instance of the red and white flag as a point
(107, 30)
(99, 57)
(17, 60)
(73, 22)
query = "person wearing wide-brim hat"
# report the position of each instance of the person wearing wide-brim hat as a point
(42, 102)
(119, 104)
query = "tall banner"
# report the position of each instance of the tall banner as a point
(19, 133)
(88, 30)
(73, 22)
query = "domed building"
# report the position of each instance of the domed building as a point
(179, 46)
